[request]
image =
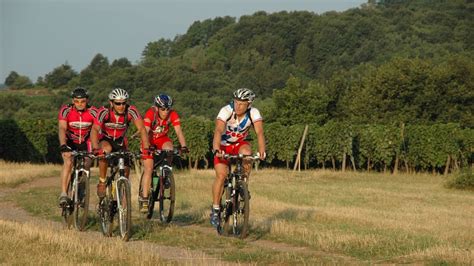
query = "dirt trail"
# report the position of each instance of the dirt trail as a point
(11, 212)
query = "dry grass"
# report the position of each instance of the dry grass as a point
(369, 217)
(44, 244)
(12, 174)
(374, 217)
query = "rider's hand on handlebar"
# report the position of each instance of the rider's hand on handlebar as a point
(218, 153)
(184, 149)
(98, 152)
(65, 148)
(262, 155)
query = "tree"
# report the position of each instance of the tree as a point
(11, 78)
(60, 76)
(301, 104)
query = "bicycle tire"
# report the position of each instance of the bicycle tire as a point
(81, 203)
(241, 211)
(124, 203)
(67, 211)
(167, 200)
(226, 212)
(105, 213)
(152, 196)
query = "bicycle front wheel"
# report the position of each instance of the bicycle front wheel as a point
(241, 211)
(124, 204)
(167, 200)
(81, 203)
(106, 212)
(68, 209)
(227, 210)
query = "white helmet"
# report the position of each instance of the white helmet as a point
(244, 94)
(118, 94)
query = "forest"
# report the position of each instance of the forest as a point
(384, 65)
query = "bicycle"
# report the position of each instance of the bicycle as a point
(235, 209)
(162, 188)
(75, 211)
(117, 197)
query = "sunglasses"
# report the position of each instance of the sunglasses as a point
(120, 103)
(164, 109)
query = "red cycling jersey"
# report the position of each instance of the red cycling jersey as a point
(115, 125)
(79, 123)
(160, 127)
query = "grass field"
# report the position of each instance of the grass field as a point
(12, 174)
(312, 217)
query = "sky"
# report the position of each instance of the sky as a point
(38, 35)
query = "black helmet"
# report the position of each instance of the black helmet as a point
(79, 92)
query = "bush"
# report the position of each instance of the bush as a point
(464, 179)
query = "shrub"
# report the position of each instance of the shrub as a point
(464, 179)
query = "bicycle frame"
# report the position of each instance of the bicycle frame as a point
(236, 204)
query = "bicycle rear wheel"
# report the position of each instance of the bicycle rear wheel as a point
(167, 200)
(241, 211)
(124, 203)
(81, 203)
(105, 211)
(68, 209)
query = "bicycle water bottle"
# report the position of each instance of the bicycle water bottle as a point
(155, 180)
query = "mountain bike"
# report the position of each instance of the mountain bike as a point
(117, 198)
(162, 188)
(75, 211)
(235, 206)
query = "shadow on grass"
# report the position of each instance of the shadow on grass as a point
(288, 215)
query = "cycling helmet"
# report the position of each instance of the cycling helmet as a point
(244, 94)
(79, 92)
(163, 101)
(118, 94)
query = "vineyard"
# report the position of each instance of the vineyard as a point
(341, 146)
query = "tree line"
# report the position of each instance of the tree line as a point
(370, 147)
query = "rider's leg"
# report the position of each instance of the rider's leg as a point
(168, 146)
(247, 164)
(106, 147)
(218, 186)
(65, 176)
(146, 181)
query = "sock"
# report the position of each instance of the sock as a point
(215, 206)
(102, 180)
(63, 194)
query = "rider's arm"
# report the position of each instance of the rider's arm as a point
(258, 126)
(62, 127)
(143, 133)
(95, 136)
(180, 135)
(218, 131)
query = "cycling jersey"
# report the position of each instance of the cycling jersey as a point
(237, 129)
(79, 123)
(160, 127)
(113, 125)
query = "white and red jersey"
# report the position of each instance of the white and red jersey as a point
(115, 125)
(237, 129)
(160, 127)
(79, 123)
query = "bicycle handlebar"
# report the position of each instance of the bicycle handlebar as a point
(120, 153)
(83, 154)
(240, 156)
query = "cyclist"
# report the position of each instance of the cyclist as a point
(232, 127)
(113, 122)
(157, 120)
(75, 121)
